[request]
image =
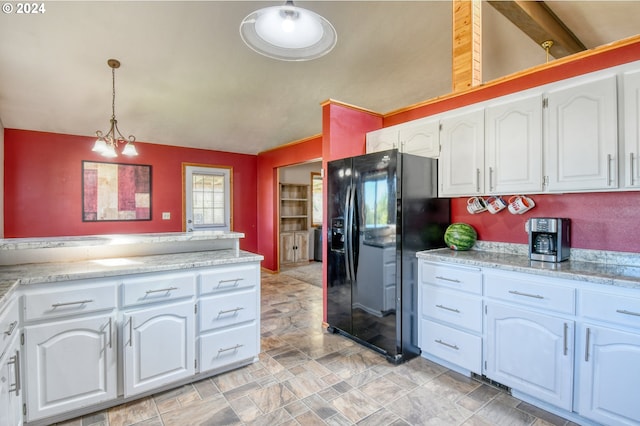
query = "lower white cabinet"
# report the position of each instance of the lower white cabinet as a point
(609, 375)
(10, 378)
(70, 364)
(530, 352)
(159, 346)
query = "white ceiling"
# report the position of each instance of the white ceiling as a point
(187, 79)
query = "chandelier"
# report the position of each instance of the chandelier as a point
(288, 33)
(106, 144)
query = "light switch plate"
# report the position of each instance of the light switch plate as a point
(166, 215)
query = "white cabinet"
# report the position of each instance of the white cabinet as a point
(450, 301)
(158, 330)
(228, 317)
(70, 364)
(10, 377)
(461, 168)
(630, 155)
(530, 352)
(529, 344)
(608, 362)
(582, 136)
(70, 348)
(383, 139)
(513, 146)
(418, 137)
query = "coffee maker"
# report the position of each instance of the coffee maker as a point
(549, 239)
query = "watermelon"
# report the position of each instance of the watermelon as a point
(460, 236)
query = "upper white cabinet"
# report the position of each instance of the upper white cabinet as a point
(421, 137)
(582, 137)
(629, 161)
(513, 146)
(418, 137)
(383, 139)
(461, 168)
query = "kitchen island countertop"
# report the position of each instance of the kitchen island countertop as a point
(594, 272)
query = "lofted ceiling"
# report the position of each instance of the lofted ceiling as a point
(188, 80)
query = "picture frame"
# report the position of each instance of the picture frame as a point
(115, 192)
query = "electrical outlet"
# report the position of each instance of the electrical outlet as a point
(166, 215)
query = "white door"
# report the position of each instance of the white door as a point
(382, 139)
(10, 388)
(207, 192)
(159, 346)
(514, 147)
(630, 161)
(461, 167)
(582, 137)
(69, 364)
(609, 375)
(531, 353)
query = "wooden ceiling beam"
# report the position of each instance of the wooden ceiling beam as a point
(467, 44)
(537, 21)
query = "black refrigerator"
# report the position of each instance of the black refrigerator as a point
(382, 208)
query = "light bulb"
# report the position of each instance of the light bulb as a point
(288, 25)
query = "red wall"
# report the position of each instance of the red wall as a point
(267, 188)
(42, 186)
(599, 221)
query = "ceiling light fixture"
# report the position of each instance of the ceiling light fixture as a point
(107, 144)
(288, 33)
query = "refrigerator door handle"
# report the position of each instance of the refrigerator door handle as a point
(347, 232)
(349, 240)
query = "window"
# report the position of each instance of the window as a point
(316, 199)
(207, 198)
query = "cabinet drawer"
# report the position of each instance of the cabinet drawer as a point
(9, 325)
(521, 289)
(227, 309)
(228, 278)
(157, 288)
(456, 277)
(77, 298)
(226, 347)
(455, 346)
(608, 307)
(460, 309)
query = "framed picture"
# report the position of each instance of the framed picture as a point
(115, 192)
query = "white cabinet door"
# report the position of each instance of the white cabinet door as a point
(609, 375)
(70, 364)
(514, 146)
(421, 137)
(531, 353)
(159, 346)
(461, 166)
(10, 387)
(630, 161)
(382, 139)
(582, 137)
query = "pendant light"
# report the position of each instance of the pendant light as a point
(288, 33)
(106, 144)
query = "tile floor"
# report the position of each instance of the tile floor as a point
(306, 376)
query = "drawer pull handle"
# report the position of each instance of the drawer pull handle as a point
(232, 348)
(448, 309)
(228, 311)
(79, 302)
(12, 327)
(517, 293)
(452, 280)
(235, 281)
(566, 338)
(624, 311)
(449, 345)
(162, 290)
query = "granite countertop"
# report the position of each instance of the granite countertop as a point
(12, 276)
(604, 272)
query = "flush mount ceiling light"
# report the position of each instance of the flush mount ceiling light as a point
(288, 33)
(107, 144)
